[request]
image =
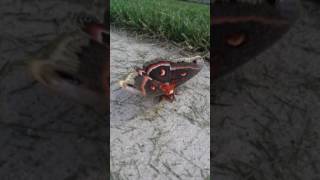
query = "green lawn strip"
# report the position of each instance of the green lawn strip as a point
(182, 22)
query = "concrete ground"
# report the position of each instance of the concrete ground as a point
(266, 118)
(265, 123)
(43, 136)
(151, 140)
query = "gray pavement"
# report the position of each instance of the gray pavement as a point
(266, 118)
(151, 140)
(43, 136)
(265, 124)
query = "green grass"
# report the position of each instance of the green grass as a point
(182, 22)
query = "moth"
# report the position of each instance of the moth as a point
(75, 63)
(242, 29)
(161, 77)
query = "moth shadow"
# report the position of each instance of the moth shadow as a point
(125, 106)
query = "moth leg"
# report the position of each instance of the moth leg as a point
(176, 92)
(169, 98)
(172, 97)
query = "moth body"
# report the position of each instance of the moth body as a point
(75, 65)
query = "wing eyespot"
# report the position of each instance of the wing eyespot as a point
(236, 39)
(162, 72)
(153, 88)
(183, 74)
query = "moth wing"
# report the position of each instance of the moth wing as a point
(159, 70)
(92, 26)
(147, 86)
(183, 71)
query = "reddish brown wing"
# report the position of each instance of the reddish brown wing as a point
(159, 70)
(156, 77)
(183, 71)
(241, 30)
(99, 49)
(172, 72)
(147, 86)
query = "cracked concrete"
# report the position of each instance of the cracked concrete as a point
(151, 140)
(266, 117)
(43, 136)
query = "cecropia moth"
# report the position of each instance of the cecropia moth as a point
(161, 77)
(75, 64)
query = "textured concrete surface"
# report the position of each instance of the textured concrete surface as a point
(151, 140)
(266, 114)
(43, 136)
